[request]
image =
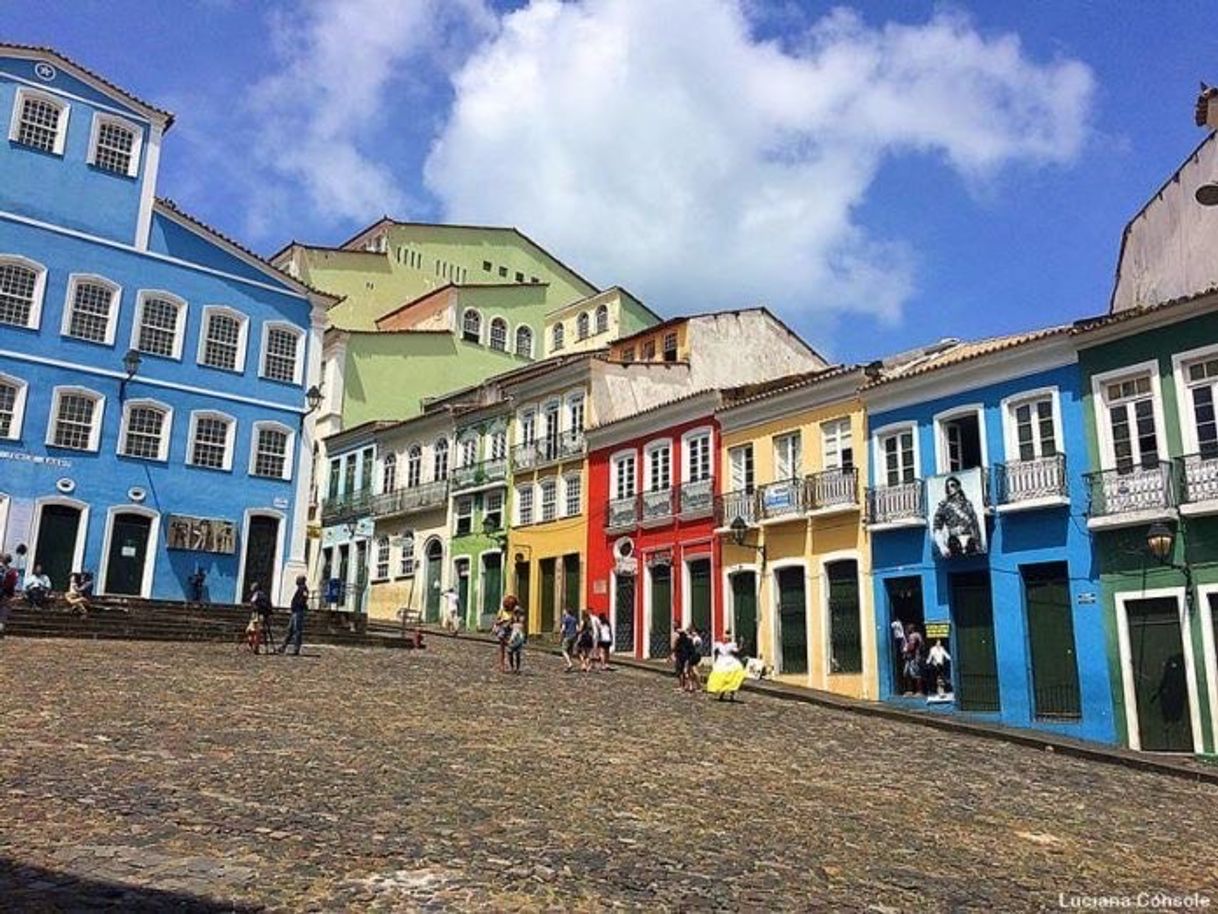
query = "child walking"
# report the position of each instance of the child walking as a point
(516, 639)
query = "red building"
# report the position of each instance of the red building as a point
(653, 556)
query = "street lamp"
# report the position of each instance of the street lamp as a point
(739, 530)
(1160, 540)
(131, 364)
(313, 399)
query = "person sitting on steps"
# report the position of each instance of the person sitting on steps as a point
(37, 588)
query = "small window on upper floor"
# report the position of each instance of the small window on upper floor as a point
(76, 418)
(21, 286)
(628, 354)
(159, 324)
(222, 342)
(281, 352)
(499, 333)
(471, 326)
(524, 342)
(670, 347)
(602, 318)
(486, 266)
(649, 351)
(519, 276)
(40, 121)
(89, 313)
(557, 337)
(582, 325)
(503, 272)
(114, 145)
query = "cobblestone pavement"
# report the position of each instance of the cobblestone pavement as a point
(161, 777)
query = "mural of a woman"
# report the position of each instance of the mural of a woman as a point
(954, 527)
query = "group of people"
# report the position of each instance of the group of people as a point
(258, 632)
(921, 671)
(37, 589)
(509, 631)
(728, 670)
(587, 639)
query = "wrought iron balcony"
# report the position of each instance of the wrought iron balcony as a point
(902, 503)
(1041, 479)
(785, 498)
(477, 474)
(658, 505)
(697, 498)
(345, 508)
(1131, 493)
(829, 489)
(622, 513)
(742, 503)
(550, 449)
(1200, 479)
(406, 500)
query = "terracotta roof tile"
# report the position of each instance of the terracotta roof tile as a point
(965, 351)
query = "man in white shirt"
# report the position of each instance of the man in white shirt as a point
(452, 610)
(37, 588)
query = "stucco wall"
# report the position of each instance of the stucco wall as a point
(739, 348)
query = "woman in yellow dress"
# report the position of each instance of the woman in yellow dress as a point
(727, 674)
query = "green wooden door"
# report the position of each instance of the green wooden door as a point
(1160, 676)
(492, 583)
(549, 580)
(572, 589)
(55, 549)
(435, 560)
(523, 589)
(1051, 642)
(744, 612)
(128, 549)
(462, 587)
(261, 559)
(845, 622)
(700, 600)
(660, 633)
(792, 620)
(975, 658)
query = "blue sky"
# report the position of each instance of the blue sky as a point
(880, 175)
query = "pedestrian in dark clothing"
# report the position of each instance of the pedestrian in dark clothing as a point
(300, 603)
(262, 606)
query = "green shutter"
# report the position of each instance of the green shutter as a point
(793, 620)
(549, 580)
(744, 611)
(1051, 641)
(845, 627)
(661, 610)
(975, 659)
(700, 597)
(572, 591)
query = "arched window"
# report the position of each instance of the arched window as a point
(582, 324)
(471, 326)
(602, 318)
(389, 473)
(524, 342)
(414, 466)
(556, 337)
(440, 464)
(499, 334)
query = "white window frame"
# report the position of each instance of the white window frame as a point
(65, 110)
(414, 466)
(614, 461)
(499, 444)
(649, 454)
(526, 421)
(1103, 423)
(465, 313)
(602, 311)
(958, 412)
(1184, 407)
(298, 361)
(798, 469)
(583, 326)
(487, 510)
(98, 416)
(549, 484)
(179, 330)
(518, 504)
(389, 462)
(516, 341)
(40, 285)
(446, 450)
(464, 508)
(17, 424)
(405, 552)
(745, 485)
(381, 551)
(1010, 427)
(687, 439)
(490, 333)
(137, 143)
(558, 337)
(467, 446)
(567, 481)
(116, 292)
(195, 416)
(835, 425)
(242, 337)
(879, 469)
(166, 428)
(570, 403)
(289, 448)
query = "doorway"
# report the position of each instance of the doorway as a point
(434, 555)
(548, 569)
(129, 537)
(461, 566)
(344, 567)
(700, 600)
(492, 586)
(1160, 675)
(659, 641)
(744, 612)
(571, 587)
(59, 529)
(904, 609)
(523, 589)
(975, 654)
(261, 546)
(623, 612)
(792, 620)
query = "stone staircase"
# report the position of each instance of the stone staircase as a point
(133, 619)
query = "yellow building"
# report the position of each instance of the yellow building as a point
(796, 557)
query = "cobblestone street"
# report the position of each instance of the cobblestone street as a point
(398, 780)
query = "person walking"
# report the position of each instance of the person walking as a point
(300, 603)
(727, 674)
(585, 643)
(502, 629)
(569, 626)
(516, 642)
(262, 606)
(681, 646)
(606, 640)
(452, 610)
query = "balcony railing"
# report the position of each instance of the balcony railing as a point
(836, 488)
(782, 499)
(345, 508)
(1029, 480)
(1132, 490)
(622, 513)
(731, 505)
(406, 500)
(549, 449)
(697, 497)
(1200, 478)
(476, 474)
(658, 505)
(893, 504)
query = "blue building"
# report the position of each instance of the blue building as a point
(977, 515)
(152, 371)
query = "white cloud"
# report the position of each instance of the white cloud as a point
(662, 146)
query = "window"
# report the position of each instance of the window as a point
(471, 326)
(670, 347)
(524, 342)
(519, 276)
(897, 450)
(602, 318)
(336, 470)
(698, 457)
(281, 352)
(839, 444)
(414, 466)
(114, 145)
(389, 472)
(960, 443)
(499, 334)
(524, 505)
(39, 121)
(573, 486)
(21, 286)
(659, 467)
(382, 559)
(788, 456)
(89, 310)
(211, 436)
(549, 499)
(349, 474)
(1201, 378)
(159, 323)
(648, 353)
(367, 459)
(624, 476)
(486, 266)
(503, 272)
(528, 427)
(492, 514)
(406, 559)
(550, 425)
(76, 419)
(499, 445)
(583, 325)
(465, 516)
(1035, 435)
(556, 337)
(740, 462)
(440, 461)
(1132, 422)
(222, 342)
(145, 431)
(12, 407)
(575, 412)
(272, 451)
(845, 626)
(469, 451)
